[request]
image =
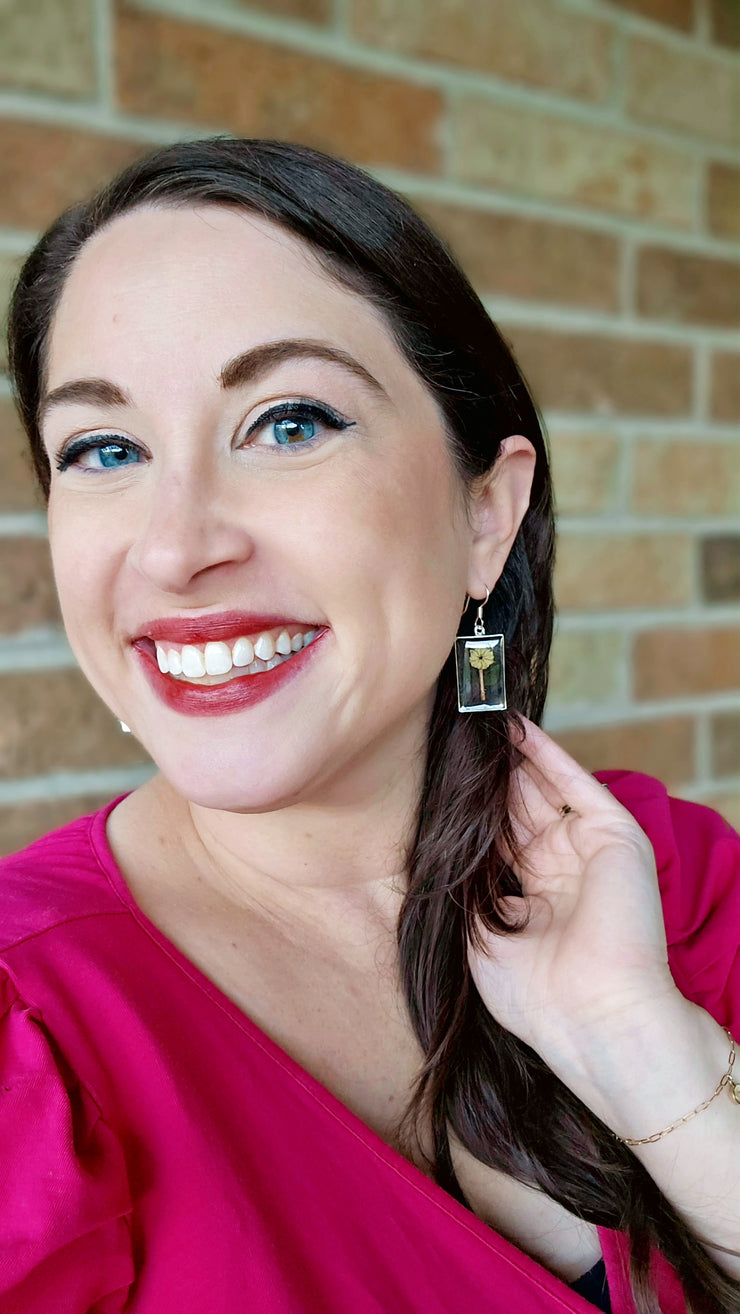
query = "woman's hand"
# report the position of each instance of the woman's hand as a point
(595, 950)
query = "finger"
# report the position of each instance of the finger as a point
(559, 778)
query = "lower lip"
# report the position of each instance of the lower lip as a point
(220, 699)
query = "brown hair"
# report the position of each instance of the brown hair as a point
(496, 1093)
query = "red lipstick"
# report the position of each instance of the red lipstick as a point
(220, 699)
(219, 625)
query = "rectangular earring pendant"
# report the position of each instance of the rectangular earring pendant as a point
(481, 680)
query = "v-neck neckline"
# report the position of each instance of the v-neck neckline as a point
(506, 1250)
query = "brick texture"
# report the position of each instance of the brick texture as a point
(22, 823)
(720, 568)
(582, 160)
(725, 738)
(675, 13)
(602, 374)
(27, 593)
(723, 200)
(670, 87)
(608, 571)
(681, 663)
(512, 255)
(585, 471)
(533, 41)
(48, 46)
(725, 399)
(44, 168)
(686, 478)
(53, 721)
(586, 667)
(189, 72)
(691, 289)
(499, 145)
(664, 748)
(17, 487)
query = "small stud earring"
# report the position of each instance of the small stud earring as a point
(479, 662)
(125, 728)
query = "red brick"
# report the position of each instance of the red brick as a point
(675, 13)
(725, 22)
(591, 372)
(681, 663)
(27, 593)
(720, 567)
(533, 41)
(723, 200)
(660, 748)
(187, 71)
(725, 403)
(18, 491)
(686, 288)
(516, 256)
(44, 168)
(21, 823)
(686, 478)
(51, 720)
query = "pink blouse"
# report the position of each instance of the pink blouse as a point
(159, 1153)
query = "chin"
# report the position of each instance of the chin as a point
(209, 784)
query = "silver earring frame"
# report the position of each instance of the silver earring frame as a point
(480, 667)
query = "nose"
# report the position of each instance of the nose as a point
(188, 531)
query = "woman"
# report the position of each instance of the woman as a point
(336, 1012)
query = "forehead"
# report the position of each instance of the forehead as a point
(169, 285)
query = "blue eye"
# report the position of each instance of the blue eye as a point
(289, 431)
(113, 453)
(296, 425)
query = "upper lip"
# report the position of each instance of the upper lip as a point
(217, 625)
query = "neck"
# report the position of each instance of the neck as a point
(332, 867)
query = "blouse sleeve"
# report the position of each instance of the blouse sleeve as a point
(702, 903)
(65, 1205)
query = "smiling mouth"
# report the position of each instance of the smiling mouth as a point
(219, 662)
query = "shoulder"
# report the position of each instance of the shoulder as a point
(54, 880)
(65, 1205)
(697, 854)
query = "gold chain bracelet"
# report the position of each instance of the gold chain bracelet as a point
(733, 1091)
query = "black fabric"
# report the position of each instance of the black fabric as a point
(594, 1286)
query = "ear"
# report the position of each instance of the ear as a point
(499, 502)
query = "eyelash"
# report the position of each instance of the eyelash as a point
(300, 410)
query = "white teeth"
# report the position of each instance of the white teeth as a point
(192, 661)
(243, 653)
(218, 659)
(265, 647)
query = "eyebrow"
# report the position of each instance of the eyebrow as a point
(249, 367)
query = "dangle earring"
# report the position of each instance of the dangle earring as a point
(479, 660)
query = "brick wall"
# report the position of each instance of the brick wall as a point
(583, 158)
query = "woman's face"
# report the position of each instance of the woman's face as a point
(299, 489)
